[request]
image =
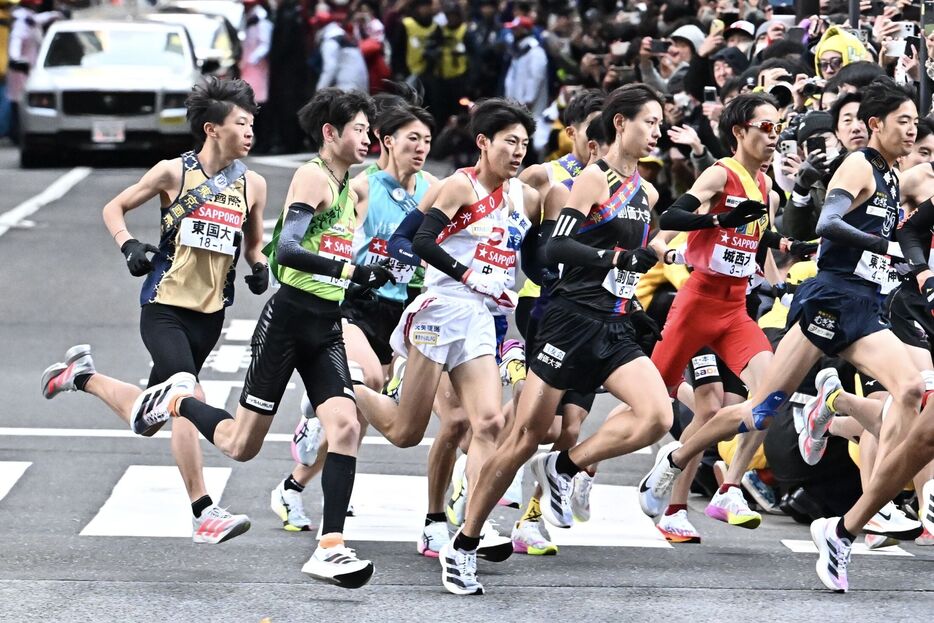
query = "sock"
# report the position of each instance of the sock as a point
(832, 398)
(564, 465)
(674, 508)
(726, 487)
(431, 518)
(81, 380)
(336, 484)
(671, 461)
(292, 484)
(201, 504)
(203, 416)
(843, 533)
(331, 539)
(533, 511)
(466, 543)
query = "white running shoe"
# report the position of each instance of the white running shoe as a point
(655, 487)
(812, 450)
(513, 496)
(457, 505)
(152, 406)
(60, 377)
(893, 522)
(581, 485)
(433, 538)
(877, 541)
(677, 528)
(926, 505)
(494, 547)
(556, 490)
(216, 525)
(833, 554)
(287, 505)
(394, 386)
(529, 538)
(306, 441)
(338, 565)
(459, 570)
(731, 508)
(817, 412)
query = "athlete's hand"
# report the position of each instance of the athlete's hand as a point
(642, 322)
(637, 260)
(927, 291)
(135, 253)
(491, 285)
(746, 212)
(373, 276)
(259, 280)
(802, 249)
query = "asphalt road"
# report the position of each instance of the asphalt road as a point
(73, 549)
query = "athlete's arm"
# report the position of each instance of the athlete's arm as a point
(164, 179)
(425, 242)
(691, 211)
(400, 243)
(851, 180)
(253, 228)
(536, 176)
(528, 256)
(911, 234)
(360, 185)
(555, 201)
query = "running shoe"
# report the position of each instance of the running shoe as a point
(833, 554)
(926, 506)
(216, 525)
(731, 508)
(581, 486)
(60, 377)
(676, 528)
(350, 511)
(394, 386)
(513, 496)
(433, 538)
(459, 570)
(527, 538)
(338, 565)
(877, 541)
(307, 439)
(812, 450)
(655, 487)
(926, 538)
(892, 521)
(763, 494)
(817, 410)
(457, 505)
(512, 367)
(494, 547)
(556, 490)
(287, 505)
(152, 406)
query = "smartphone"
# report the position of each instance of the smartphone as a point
(619, 48)
(907, 29)
(788, 147)
(815, 143)
(626, 74)
(912, 45)
(875, 8)
(729, 17)
(912, 12)
(717, 27)
(660, 46)
(710, 94)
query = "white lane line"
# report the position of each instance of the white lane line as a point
(150, 501)
(56, 190)
(615, 521)
(808, 547)
(10, 472)
(239, 330)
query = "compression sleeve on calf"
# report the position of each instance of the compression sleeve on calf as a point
(680, 215)
(911, 235)
(290, 251)
(425, 244)
(831, 225)
(529, 257)
(562, 247)
(400, 243)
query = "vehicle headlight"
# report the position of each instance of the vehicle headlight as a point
(174, 100)
(41, 100)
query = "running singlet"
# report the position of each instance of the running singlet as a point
(564, 170)
(877, 215)
(195, 268)
(389, 203)
(484, 236)
(730, 252)
(621, 223)
(330, 235)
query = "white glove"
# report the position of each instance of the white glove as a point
(895, 250)
(490, 285)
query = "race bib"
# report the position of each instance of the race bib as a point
(212, 228)
(621, 283)
(754, 281)
(334, 248)
(490, 260)
(378, 251)
(877, 269)
(733, 262)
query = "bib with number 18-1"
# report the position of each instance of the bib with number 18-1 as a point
(212, 228)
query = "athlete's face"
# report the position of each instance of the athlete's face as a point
(898, 129)
(409, 146)
(850, 130)
(505, 151)
(352, 144)
(756, 138)
(923, 151)
(234, 135)
(641, 133)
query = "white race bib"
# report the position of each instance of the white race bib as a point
(378, 251)
(490, 260)
(212, 228)
(733, 262)
(334, 248)
(621, 283)
(877, 269)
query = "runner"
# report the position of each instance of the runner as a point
(300, 328)
(207, 199)
(586, 337)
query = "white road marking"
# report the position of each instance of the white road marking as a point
(615, 521)
(808, 547)
(229, 358)
(239, 330)
(10, 472)
(150, 501)
(56, 190)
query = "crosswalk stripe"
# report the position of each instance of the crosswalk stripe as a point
(150, 501)
(808, 547)
(10, 472)
(239, 330)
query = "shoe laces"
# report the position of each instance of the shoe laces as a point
(665, 481)
(583, 490)
(466, 563)
(217, 513)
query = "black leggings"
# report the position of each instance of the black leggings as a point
(178, 339)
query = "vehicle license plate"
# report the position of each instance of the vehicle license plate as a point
(108, 132)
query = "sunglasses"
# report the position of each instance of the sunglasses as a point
(765, 126)
(834, 63)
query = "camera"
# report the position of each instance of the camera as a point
(812, 87)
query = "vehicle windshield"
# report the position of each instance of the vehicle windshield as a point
(109, 48)
(207, 35)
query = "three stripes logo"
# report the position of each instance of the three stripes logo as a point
(338, 558)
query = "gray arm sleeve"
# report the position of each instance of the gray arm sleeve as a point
(831, 225)
(290, 251)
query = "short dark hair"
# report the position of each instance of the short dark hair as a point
(739, 111)
(596, 131)
(627, 101)
(212, 99)
(334, 106)
(395, 117)
(858, 74)
(839, 103)
(881, 97)
(582, 105)
(489, 116)
(925, 128)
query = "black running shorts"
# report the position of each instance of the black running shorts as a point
(911, 323)
(377, 318)
(178, 339)
(576, 349)
(296, 331)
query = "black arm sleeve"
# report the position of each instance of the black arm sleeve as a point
(400, 243)
(426, 246)
(831, 225)
(680, 215)
(562, 247)
(912, 234)
(529, 256)
(290, 252)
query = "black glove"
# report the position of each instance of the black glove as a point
(642, 322)
(372, 276)
(801, 249)
(135, 253)
(808, 174)
(259, 280)
(746, 212)
(637, 260)
(927, 291)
